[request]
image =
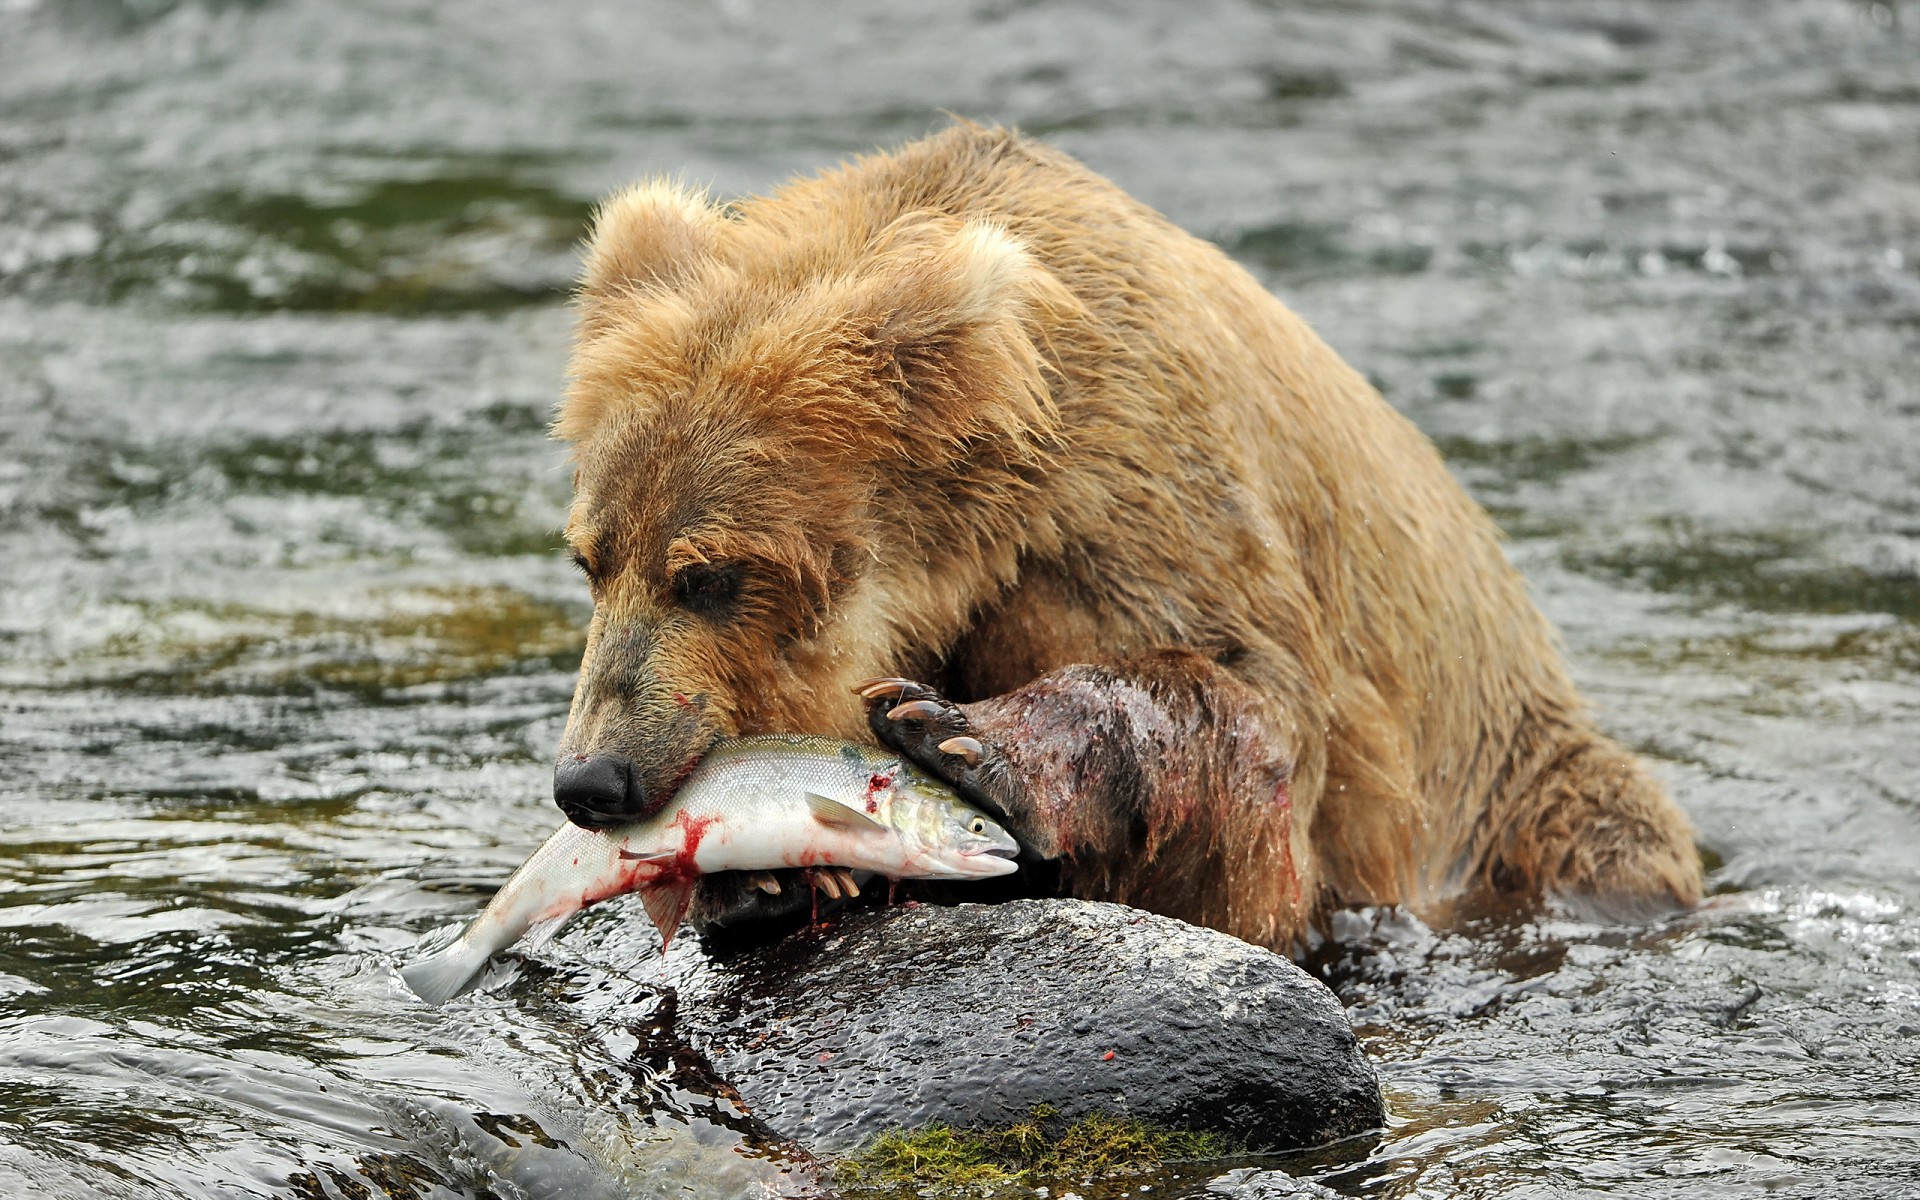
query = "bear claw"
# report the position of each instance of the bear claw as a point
(915, 710)
(873, 689)
(968, 748)
(836, 882)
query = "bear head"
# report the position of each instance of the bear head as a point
(801, 437)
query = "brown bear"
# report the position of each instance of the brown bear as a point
(1185, 602)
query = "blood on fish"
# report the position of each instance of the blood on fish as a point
(634, 875)
(694, 829)
(679, 871)
(878, 782)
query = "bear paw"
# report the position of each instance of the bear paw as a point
(934, 734)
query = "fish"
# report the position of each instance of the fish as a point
(753, 803)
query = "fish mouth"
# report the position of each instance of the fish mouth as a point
(1007, 852)
(978, 864)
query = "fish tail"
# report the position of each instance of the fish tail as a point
(441, 976)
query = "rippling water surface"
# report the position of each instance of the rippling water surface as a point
(285, 645)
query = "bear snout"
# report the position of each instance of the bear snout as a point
(596, 790)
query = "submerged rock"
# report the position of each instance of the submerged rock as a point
(971, 1016)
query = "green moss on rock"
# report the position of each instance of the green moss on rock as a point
(1037, 1150)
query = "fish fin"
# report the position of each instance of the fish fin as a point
(440, 977)
(649, 855)
(667, 904)
(832, 812)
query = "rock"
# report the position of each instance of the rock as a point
(971, 1016)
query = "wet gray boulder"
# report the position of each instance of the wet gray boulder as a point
(902, 1017)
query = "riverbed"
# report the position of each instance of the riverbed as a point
(286, 641)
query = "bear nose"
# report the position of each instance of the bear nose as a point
(595, 790)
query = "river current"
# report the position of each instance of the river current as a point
(286, 642)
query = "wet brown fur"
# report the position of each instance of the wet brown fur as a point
(969, 413)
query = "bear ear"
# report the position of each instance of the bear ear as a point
(942, 276)
(953, 309)
(651, 235)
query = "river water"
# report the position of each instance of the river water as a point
(285, 644)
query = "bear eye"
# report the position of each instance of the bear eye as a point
(708, 589)
(580, 561)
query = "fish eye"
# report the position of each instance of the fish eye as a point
(978, 825)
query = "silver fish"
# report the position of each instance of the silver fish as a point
(752, 804)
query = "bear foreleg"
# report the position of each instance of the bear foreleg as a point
(1160, 781)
